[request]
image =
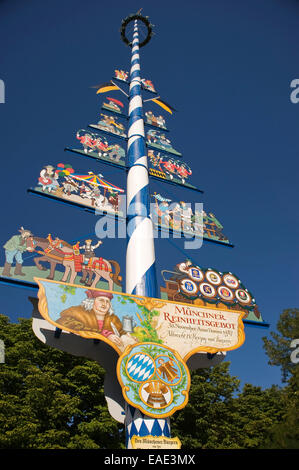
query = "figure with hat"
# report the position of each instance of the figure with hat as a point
(95, 314)
(88, 255)
(14, 248)
(183, 268)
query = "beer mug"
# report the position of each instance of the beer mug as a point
(128, 323)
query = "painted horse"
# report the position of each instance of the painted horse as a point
(61, 252)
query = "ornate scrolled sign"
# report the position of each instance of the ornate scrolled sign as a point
(153, 337)
(103, 314)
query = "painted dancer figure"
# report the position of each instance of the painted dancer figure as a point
(86, 141)
(48, 178)
(100, 145)
(150, 118)
(161, 121)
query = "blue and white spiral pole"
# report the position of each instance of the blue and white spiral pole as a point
(140, 261)
(140, 256)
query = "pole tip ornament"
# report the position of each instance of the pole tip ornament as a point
(136, 16)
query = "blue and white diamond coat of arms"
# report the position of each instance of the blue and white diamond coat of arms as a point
(154, 379)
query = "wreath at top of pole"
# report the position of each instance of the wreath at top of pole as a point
(137, 16)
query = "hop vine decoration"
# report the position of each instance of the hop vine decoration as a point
(147, 317)
(146, 332)
(67, 290)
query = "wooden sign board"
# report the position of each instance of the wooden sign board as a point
(152, 442)
(154, 338)
(186, 329)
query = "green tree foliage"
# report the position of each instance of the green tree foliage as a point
(278, 346)
(217, 417)
(50, 399)
(285, 434)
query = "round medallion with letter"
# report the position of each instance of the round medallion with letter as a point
(188, 287)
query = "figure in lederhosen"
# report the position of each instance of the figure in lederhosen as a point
(88, 256)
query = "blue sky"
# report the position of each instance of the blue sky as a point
(227, 68)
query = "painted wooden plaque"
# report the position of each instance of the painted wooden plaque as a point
(154, 379)
(113, 105)
(86, 189)
(148, 85)
(200, 286)
(153, 442)
(80, 261)
(158, 140)
(121, 75)
(154, 338)
(179, 217)
(155, 121)
(169, 168)
(124, 320)
(99, 147)
(110, 125)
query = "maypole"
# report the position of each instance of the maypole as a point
(140, 256)
(198, 315)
